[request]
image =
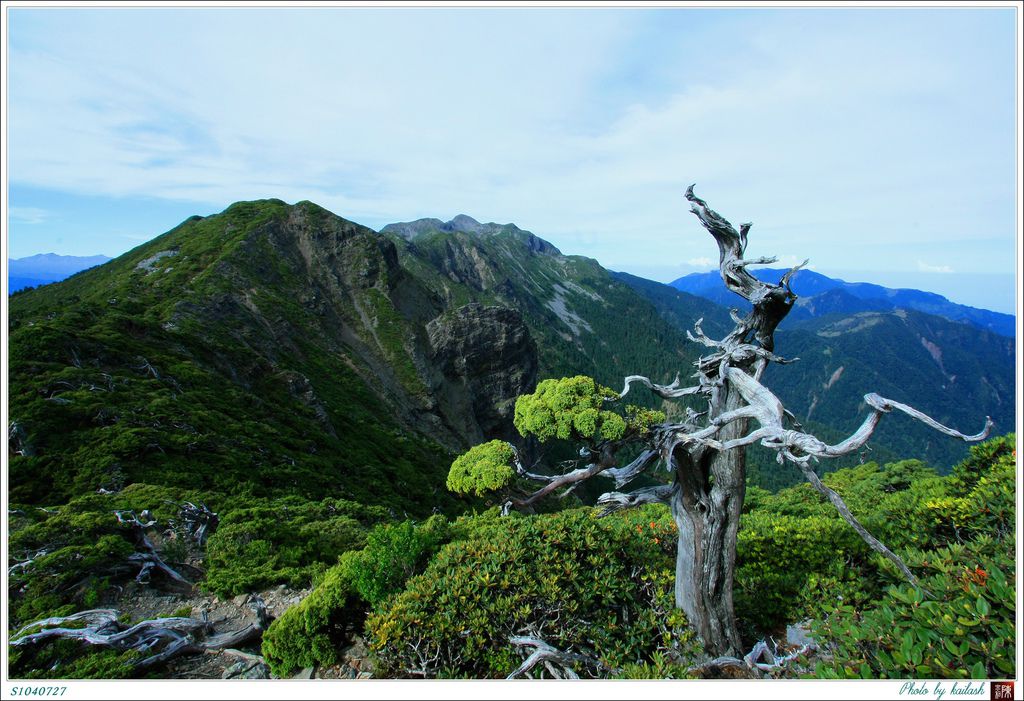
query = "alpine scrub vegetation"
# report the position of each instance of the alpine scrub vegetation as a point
(460, 590)
(965, 626)
(600, 588)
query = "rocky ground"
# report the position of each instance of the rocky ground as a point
(142, 602)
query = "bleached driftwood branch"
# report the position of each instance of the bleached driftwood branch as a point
(149, 559)
(671, 391)
(558, 663)
(751, 664)
(159, 639)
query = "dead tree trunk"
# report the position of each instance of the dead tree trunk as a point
(712, 481)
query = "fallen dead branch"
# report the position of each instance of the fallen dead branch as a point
(158, 639)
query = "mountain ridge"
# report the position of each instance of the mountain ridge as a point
(344, 351)
(820, 294)
(44, 268)
(285, 344)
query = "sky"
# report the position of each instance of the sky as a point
(880, 143)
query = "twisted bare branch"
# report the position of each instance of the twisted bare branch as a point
(617, 501)
(560, 664)
(159, 639)
(626, 474)
(672, 391)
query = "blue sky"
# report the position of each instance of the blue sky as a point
(879, 143)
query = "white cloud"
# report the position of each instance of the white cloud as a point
(836, 133)
(701, 262)
(28, 215)
(929, 268)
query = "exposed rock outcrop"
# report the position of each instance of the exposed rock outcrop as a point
(485, 357)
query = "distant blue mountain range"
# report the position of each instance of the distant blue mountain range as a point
(44, 268)
(820, 295)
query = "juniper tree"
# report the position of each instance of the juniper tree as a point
(705, 452)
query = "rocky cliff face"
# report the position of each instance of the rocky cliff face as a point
(485, 358)
(451, 374)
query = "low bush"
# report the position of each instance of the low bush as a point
(962, 623)
(393, 553)
(285, 540)
(963, 628)
(778, 557)
(312, 632)
(598, 587)
(70, 659)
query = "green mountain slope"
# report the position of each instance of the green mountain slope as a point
(268, 348)
(955, 372)
(276, 349)
(576, 310)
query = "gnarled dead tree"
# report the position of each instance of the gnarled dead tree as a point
(706, 452)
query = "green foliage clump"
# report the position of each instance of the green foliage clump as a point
(602, 588)
(483, 468)
(393, 553)
(313, 632)
(964, 629)
(639, 420)
(778, 556)
(568, 408)
(70, 659)
(285, 540)
(795, 556)
(981, 495)
(661, 666)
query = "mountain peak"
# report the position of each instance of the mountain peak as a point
(466, 223)
(460, 223)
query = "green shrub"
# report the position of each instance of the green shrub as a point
(966, 629)
(312, 632)
(602, 588)
(796, 557)
(70, 659)
(483, 468)
(285, 540)
(779, 556)
(962, 624)
(660, 667)
(393, 553)
(982, 496)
